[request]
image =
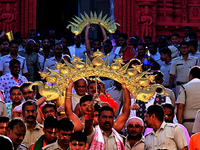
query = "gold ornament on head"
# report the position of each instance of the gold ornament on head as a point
(80, 23)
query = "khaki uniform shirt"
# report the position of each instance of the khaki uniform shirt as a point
(196, 126)
(110, 143)
(3, 111)
(190, 98)
(138, 146)
(51, 63)
(34, 135)
(180, 67)
(54, 146)
(22, 147)
(165, 69)
(168, 136)
(171, 95)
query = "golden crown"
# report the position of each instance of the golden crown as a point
(79, 24)
(136, 80)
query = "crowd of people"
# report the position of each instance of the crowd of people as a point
(117, 121)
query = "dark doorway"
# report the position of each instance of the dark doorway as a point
(55, 14)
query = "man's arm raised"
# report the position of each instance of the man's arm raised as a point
(78, 126)
(122, 118)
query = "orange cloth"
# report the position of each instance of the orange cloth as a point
(194, 142)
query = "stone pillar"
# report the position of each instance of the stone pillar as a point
(18, 16)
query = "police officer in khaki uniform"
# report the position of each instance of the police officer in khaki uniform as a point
(16, 132)
(180, 67)
(188, 100)
(3, 111)
(65, 129)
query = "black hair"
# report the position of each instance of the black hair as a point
(49, 105)
(143, 44)
(26, 84)
(65, 124)
(108, 41)
(184, 43)
(4, 119)
(85, 98)
(78, 136)
(123, 35)
(51, 122)
(97, 107)
(193, 43)
(97, 40)
(14, 122)
(193, 34)
(14, 61)
(29, 103)
(6, 142)
(105, 108)
(166, 50)
(154, 44)
(189, 28)
(148, 37)
(98, 84)
(158, 73)
(157, 110)
(14, 88)
(13, 42)
(175, 34)
(195, 72)
(168, 105)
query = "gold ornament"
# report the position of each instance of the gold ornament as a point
(136, 81)
(79, 24)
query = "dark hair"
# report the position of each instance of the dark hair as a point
(98, 84)
(49, 105)
(157, 110)
(175, 34)
(189, 28)
(14, 61)
(193, 34)
(184, 43)
(6, 142)
(123, 35)
(195, 72)
(168, 105)
(97, 107)
(51, 122)
(4, 119)
(154, 44)
(97, 40)
(148, 37)
(29, 103)
(65, 124)
(108, 41)
(105, 108)
(13, 42)
(193, 43)
(14, 122)
(14, 88)
(158, 73)
(143, 44)
(78, 136)
(26, 84)
(85, 98)
(166, 50)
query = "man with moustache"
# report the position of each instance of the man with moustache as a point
(4, 121)
(51, 62)
(34, 129)
(135, 139)
(16, 132)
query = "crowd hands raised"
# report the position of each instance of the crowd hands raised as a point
(28, 121)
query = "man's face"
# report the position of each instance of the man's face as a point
(122, 41)
(77, 41)
(163, 56)
(186, 32)
(80, 87)
(14, 49)
(32, 34)
(30, 46)
(152, 49)
(106, 120)
(27, 94)
(84, 106)
(17, 134)
(46, 43)
(49, 111)
(107, 47)
(24, 41)
(184, 50)
(50, 134)
(148, 120)
(37, 47)
(58, 50)
(30, 113)
(75, 145)
(158, 80)
(97, 45)
(64, 137)
(16, 96)
(3, 128)
(169, 115)
(64, 42)
(15, 69)
(175, 40)
(134, 130)
(133, 42)
(141, 50)
(92, 89)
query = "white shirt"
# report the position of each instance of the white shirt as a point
(78, 52)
